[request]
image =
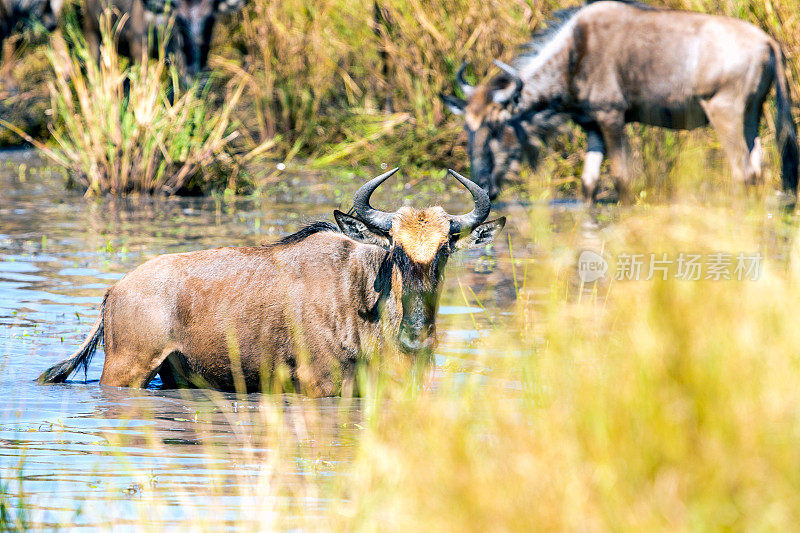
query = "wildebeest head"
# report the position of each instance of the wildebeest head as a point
(194, 24)
(498, 137)
(419, 242)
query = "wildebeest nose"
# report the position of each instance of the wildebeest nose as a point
(415, 340)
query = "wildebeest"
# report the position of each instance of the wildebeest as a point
(16, 14)
(191, 36)
(609, 63)
(310, 305)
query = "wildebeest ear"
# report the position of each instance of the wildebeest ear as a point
(482, 235)
(229, 6)
(359, 231)
(454, 104)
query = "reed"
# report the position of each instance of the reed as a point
(120, 128)
(657, 405)
(319, 76)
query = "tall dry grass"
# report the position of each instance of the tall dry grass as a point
(650, 405)
(320, 73)
(318, 76)
(120, 128)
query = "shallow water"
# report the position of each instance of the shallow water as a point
(95, 456)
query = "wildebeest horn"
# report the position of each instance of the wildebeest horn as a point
(378, 219)
(501, 96)
(483, 205)
(465, 87)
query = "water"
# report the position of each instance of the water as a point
(99, 456)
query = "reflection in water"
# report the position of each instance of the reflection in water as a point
(93, 455)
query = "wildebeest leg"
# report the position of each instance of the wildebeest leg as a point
(595, 152)
(129, 368)
(173, 372)
(727, 118)
(137, 47)
(616, 143)
(751, 122)
(756, 154)
(382, 28)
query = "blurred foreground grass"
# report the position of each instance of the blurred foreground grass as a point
(645, 405)
(625, 405)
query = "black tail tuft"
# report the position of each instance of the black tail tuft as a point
(59, 372)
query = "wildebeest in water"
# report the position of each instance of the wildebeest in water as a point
(191, 35)
(609, 63)
(312, 304)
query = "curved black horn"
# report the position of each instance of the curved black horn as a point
(378, 219)
(483, 205)
(502, 96)
(465, 87)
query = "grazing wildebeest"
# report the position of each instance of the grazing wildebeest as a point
(609, 63)
(191, 36)
(311, 304)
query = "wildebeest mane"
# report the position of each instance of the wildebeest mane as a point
(307, 230)
(422, 277)
(542, 36)
(634, 3)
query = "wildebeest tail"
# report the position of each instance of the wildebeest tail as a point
(59, 372)
(786, 131)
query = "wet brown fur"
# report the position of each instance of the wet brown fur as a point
(266, 306)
